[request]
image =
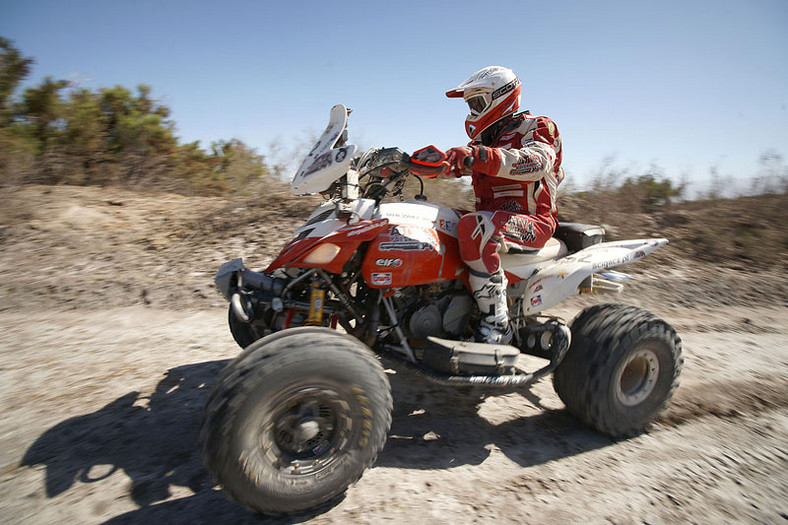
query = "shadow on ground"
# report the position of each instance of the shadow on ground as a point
(154, 441)
(436, 427)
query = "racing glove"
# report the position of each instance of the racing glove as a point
(479, 158)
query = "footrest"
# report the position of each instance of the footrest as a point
(467, 358)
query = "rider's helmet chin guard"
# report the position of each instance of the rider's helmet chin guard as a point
(491, 93)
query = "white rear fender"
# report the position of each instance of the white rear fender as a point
(559, 279)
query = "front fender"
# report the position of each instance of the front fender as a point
(225, 274)
(557, 280)
(346, 239)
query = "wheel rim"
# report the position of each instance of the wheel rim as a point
(637, 377)
(310, 430)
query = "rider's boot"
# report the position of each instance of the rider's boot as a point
(489, 291)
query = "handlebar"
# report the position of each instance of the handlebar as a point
(386, 169)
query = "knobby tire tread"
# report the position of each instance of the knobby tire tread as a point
(264, 358)
(599, 335)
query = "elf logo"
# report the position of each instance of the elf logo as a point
(389, 263)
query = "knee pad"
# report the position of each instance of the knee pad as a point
(476, 234)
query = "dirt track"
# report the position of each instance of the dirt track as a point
(109, 345)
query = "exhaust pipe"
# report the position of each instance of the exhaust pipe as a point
(237, 303)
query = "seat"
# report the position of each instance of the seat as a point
(577, 236)
(552, 249)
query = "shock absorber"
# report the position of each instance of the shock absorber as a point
(317, 298)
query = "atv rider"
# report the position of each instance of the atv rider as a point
(516, 170)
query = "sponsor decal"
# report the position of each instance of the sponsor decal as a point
(447, 225)
(536, 301)
(520, 228)
(411, 238)
(381, 278)
(315, 148)
(340, 156)
(561, 273)
(394, 263)
(507, 88)
(614, 262)
(526, 164)
(538, 288)
(362, 228)
(402, 216)
(639, 255)
(406, 246)
(512, 206)
(321, 162)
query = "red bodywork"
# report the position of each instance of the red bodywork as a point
(398, 255)
(406, 255)
(347, 238)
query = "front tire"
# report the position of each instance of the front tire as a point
(621, 368)
(295, 420)
(243, 333)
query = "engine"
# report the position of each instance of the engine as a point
(439, 310)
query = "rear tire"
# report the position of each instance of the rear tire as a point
(295, 420)
(621, 368)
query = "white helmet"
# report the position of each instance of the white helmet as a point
(491, 93)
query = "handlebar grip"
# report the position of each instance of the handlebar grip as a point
(468, 161)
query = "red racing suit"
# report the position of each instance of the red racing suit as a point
(515, 178)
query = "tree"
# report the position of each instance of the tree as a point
(16, 153)
(649, 193)
(237, 166)
(137, 135)
(13, 69)
(59, 133)
(42, 109)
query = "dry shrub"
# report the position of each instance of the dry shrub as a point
(743, 233)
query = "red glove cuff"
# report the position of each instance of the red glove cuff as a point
(486, 160)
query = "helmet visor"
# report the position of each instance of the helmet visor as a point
(477, 104)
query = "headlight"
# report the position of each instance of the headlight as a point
(323, 254)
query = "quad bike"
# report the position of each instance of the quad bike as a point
(306, 407)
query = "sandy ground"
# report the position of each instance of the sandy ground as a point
(109, 346)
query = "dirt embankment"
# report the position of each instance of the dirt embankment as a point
(112, 334)
(91, 247)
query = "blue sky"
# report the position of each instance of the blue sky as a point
(688, 85)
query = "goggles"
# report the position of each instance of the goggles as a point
(478, 103)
